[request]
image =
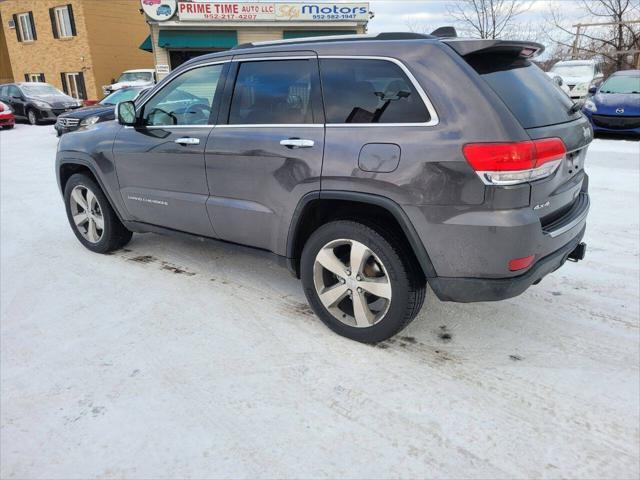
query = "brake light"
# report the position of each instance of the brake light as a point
(1, 107)
(517, 162)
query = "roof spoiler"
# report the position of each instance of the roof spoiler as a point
(445, 32)
(466, 47)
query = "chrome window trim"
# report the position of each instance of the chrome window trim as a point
(272, 125)
(171, 79)
(278, 57)
(433, 120)
(169, 127)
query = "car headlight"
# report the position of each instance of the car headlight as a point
(90, 121)
(41, 104)
(591, 106)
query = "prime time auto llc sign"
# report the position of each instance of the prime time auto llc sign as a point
(269, 12)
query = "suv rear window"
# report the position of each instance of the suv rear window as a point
(529, 93)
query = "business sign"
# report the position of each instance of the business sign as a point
(159, 10)
(270, 12)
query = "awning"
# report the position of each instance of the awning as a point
(177, 39)
(146, 45)
(287, 34)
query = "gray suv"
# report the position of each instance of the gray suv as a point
(370, 166)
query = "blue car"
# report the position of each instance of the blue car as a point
(615, 105)
(163, 10)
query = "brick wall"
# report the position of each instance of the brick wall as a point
(106, 43)
(47, 54)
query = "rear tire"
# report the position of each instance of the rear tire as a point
(343, 263)
(91, 217)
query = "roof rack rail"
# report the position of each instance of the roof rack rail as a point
(338, 38)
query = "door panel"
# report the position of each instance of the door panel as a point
(255, 180)
(162, 182)
(160, 164)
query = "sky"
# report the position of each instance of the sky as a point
(426, 15)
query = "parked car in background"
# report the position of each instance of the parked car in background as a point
(143, 77)
(36, 101)
(383, 180)
(100, 112)
(615, 105)
(7, 119)
(579, 75)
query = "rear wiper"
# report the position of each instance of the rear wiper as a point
(574, 108)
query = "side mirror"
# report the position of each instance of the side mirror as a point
(126, 113)
(593, 89)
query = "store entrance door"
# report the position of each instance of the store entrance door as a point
(178, 57)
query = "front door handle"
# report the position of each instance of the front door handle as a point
(187, 141)
(297, 143)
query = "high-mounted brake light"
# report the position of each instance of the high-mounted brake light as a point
(517, 162)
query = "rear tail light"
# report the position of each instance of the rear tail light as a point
(1, 107)
(517, 162)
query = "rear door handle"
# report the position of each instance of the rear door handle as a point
(187, 141)
(297, 143)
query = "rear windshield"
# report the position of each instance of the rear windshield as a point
(530, 94)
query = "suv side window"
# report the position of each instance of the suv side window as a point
(186, 100)
(273, 92)
(369, 91)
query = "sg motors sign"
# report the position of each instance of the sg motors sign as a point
(269, 12)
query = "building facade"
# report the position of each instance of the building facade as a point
(76, 45)
(182, 29)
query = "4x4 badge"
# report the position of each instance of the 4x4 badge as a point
(542, 205)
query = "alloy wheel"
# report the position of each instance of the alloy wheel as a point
(352, 283)
(87, 213)
(32, 117)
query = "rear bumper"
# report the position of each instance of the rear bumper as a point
(460, 289)
(7, 120)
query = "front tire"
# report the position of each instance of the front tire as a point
(361, 282)
(91, 217)
(32, 116)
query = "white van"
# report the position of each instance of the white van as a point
(142, 77)
(578, 75)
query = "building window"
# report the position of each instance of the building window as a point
(25, 28)
(73, 84)
(34, 77)
(62, 21)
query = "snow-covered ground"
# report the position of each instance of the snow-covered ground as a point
(177, 358)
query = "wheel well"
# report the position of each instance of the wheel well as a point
(68, 169)
(321, 211)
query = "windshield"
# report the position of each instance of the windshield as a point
(573, 70)
(37, 90)
(621, 84)
(135, 76)
(123, 95)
